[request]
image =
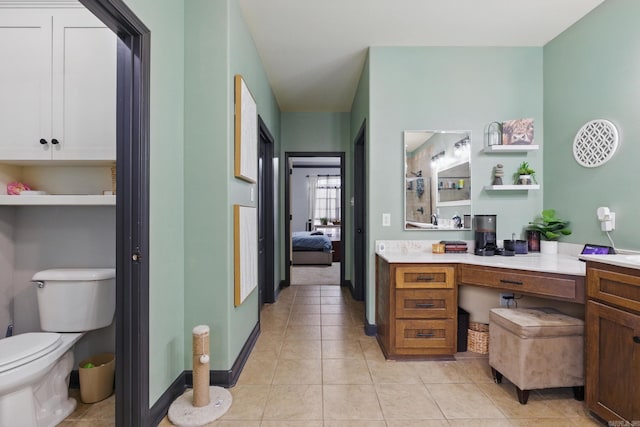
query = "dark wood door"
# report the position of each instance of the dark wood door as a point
(613, 362)
(266, 215)
(360, 217)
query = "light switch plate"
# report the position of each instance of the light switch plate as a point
(386, 219)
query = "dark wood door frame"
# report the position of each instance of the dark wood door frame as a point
(287, 208)
(360, 216)
(132, 211)
(266, 216)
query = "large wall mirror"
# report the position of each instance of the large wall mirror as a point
(437, 180)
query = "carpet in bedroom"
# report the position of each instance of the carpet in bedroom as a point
(316, 275)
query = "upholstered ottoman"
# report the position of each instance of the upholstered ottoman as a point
(536, 348)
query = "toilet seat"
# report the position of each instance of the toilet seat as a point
(23, 348)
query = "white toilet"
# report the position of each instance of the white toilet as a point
(35, 366)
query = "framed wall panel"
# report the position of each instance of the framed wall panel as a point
(246, 132)
(245, 236)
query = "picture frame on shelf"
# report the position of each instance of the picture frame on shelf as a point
(518, 132)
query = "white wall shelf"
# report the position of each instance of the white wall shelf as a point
(510, 148)
(511, 187)
(454, 203)
(58, 200)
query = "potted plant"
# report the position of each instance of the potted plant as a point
(525, 175)
(551, 228)
(324, 221)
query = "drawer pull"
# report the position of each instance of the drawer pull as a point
(636, 339)
(424, 304)
(425, 278)
(423, 335)
(511, 282)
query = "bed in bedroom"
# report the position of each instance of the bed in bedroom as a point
(311, 248)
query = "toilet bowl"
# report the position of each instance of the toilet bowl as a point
(35, 366)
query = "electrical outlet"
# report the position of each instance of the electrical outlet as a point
(506, 298)
(386, 219)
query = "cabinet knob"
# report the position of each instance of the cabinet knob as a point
(43, 141)
(55, 141)
(636, 339)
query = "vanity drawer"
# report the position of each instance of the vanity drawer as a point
(419, 334)
(564, 287)
(615, 286)
(425, 277)
(425, 304)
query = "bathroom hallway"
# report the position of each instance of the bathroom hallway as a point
(313, 366)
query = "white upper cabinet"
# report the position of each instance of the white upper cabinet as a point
(58, 86)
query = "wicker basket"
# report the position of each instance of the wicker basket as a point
(478, 339)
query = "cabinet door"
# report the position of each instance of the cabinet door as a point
(25, 84)
(613, 362)
(84, 87)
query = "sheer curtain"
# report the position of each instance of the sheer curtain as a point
(312, 190)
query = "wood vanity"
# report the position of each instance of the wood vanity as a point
(417, 302)
(416, 312)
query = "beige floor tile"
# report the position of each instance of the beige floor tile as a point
(333, 309)
(585, 422)
(418, 423)
(103, 410)
(341, 349)
(354, 423)
(392, 372)
(345, 371)
(308, 292)
(306, 299)
(304, 319)
(505, 398)
(301, 349)
(476, 370)
(298, 371)
(248, 402)
(407, 401)
(294, 402)
(94, 423)
(280, 423)
(303, 332)
(268, 343)
(259, 369)
(561, 400)
(438, 372)
(463, 401)
(306, 308)
(331, 300)
(342, 319)
(489, 422)
(351, 402)
(341, 332)
(371, 350)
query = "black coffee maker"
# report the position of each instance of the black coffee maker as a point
(484, 227)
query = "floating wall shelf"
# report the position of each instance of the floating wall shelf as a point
(512, 187)
(58, 200)
(510, 148)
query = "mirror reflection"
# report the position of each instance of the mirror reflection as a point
(437, 180)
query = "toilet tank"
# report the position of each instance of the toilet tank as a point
(76, 299)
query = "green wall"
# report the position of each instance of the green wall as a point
(434, 88)
(217, 46)
(165, 19)
(592, 71)
(312, 132)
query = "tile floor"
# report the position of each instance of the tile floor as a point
(313, 367)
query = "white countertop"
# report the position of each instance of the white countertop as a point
(559, 264)
(621, 260)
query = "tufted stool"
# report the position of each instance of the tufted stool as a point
(536, 348)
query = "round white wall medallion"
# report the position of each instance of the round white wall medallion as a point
(595, 143)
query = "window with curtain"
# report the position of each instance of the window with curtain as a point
(327, 198)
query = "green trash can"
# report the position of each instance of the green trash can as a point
(97, 375)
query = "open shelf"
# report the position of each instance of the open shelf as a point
(512, 187)
(510, 148)
(454, 203)
(58, 200)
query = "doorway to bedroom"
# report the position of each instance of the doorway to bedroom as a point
(314, 199)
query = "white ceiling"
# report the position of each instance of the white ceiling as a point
(313, 51)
